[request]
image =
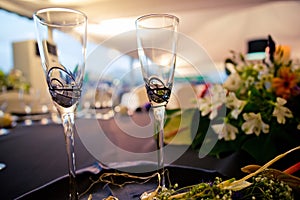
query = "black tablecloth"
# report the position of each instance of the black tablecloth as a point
(36, 155)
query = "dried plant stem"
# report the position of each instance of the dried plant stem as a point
(237, 182)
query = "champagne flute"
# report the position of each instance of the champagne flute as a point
(157, 42)
(61, 37)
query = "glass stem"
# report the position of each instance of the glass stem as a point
(68, 124)
(159, 116)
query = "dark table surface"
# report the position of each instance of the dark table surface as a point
(35, 155)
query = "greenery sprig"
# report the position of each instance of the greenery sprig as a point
(259, 184)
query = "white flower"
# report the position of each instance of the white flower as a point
(259, 85)
(262, 69)
(241, 67)
(226, 131)
(254, 124)
(265, 80)
(233, 82)
(298, 126)
(266, 77)
(205, 105)
(249, 81)
(213, 101)
(236, 105)
(280, 111)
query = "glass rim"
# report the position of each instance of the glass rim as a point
(156, 15)
(59, 9)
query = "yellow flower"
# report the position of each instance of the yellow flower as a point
(282, 54)
(285, 83)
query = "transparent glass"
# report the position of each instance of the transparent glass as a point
(157, 44)
(61, 38)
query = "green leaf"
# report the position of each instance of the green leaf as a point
(261, 148)
(202, 129)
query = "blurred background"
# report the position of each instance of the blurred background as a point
(216, 26)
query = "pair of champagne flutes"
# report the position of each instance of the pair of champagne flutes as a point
(64, 68)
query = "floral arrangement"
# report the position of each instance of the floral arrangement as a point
(261, 100)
